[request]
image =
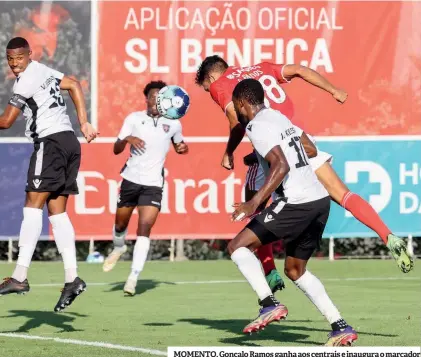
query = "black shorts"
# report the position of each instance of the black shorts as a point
(54, 164)
(301, 226)
(132, 195)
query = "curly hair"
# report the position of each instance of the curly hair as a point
(250, 90)
(153, 85)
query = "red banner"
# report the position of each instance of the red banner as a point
(371, 49)
(197, 201)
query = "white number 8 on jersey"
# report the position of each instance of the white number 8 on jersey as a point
(273, 90)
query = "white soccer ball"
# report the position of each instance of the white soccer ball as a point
(172, 102)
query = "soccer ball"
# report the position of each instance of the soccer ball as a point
(172, 102)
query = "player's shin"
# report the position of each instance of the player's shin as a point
(365, 213)
(30, 232)
(120, 247)
(249, 266)
(265, 254)
(313, 288)
(64, 235)
(119, 239)
(140, 254)
(271, 309)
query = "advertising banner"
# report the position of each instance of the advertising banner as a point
(370, 49)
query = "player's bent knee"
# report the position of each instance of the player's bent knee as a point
(120, 227)
(232, 247)
(294, 272)
(36, 199)
(236, 244)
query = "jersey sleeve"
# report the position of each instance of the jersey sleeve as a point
(178, 134)
(263, 137)
(221, 96)
(126, 129)
(25, 88)
(277, 71)
(57, 74)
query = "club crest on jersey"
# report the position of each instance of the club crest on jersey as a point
(166, 127)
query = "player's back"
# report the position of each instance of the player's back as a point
(45, 109)
(268, 74)
(270, 128)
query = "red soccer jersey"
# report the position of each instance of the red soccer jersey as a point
(268, 74)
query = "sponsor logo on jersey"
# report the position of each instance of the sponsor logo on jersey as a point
(37, 183)
(268, 218)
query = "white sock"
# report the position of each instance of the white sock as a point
(119, 239)
(140, 254)
(64, 235)
(30, 231)
(250, 267)
(315, 291)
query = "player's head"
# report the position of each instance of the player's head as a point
(248, 98)
(18, 55)
(151, 92)
(209, 71)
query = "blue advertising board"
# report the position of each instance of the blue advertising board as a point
(386, 173)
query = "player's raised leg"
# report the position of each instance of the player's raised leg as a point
(30, 232)
(147, 219)
(240, 250)
(122, 219)
(365, 213)
(64, 235)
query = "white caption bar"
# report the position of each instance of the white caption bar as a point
(294, 352)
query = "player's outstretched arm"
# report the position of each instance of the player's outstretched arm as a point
(76, 93)
(279, 168)
(291, 71)
(9, 116)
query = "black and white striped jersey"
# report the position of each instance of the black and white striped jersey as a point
(37, 93)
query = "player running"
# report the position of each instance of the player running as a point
(216, 77)
(299, 217)
(149, 136)
(54, 164)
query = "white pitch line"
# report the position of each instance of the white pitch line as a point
(205, 282)
(86, 343)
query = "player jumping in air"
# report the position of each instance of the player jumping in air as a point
(216, 77)
(149, 137)
(54, 164)
(299, 217)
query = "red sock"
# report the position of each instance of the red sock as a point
(366, 214)
(265, 254)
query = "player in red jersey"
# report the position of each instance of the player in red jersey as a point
(215, 76)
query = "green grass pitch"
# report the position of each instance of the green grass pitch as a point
(380, 302)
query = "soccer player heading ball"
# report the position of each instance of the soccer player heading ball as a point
(216, 77)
